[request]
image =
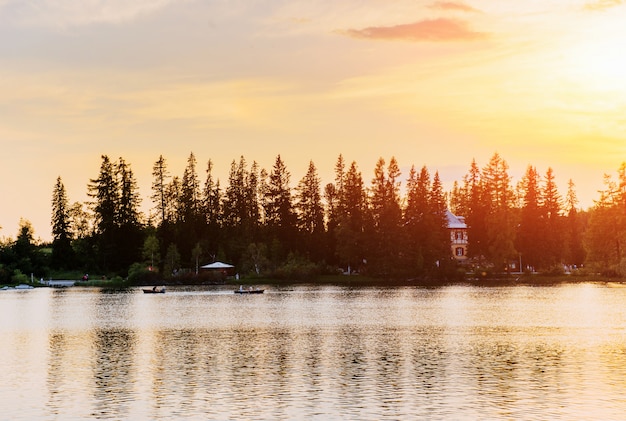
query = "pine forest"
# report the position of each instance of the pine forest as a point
(385, 225)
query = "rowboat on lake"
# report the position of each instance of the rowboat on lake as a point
(155, 290)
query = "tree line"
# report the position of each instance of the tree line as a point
(265, 226)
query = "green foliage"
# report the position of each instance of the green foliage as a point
(118, 231)
(140, 274)
(555, 270)
(115, 283)
(261, 226)
(151, 250)
(18, 277)
(297, 268)
(5, 274)
(255, 260)
(172, 261)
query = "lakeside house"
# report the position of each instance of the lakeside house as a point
(458, 236)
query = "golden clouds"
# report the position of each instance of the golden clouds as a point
(453, 6)
(434, 30)
(603, 4)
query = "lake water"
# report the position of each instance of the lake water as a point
(458, 352)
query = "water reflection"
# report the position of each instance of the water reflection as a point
(327, 353)
(112, 372)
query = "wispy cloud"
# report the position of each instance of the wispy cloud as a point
(433, 30)
(454, 6)
(603, 4)
(62, 13)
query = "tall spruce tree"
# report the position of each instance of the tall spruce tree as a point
(212, 209)
(310, 213)
(552, 210)
(574, 252)
(252, 196)
(385, 246)
(241, 207)
(160, 176)
(440, 233)
(62, 252)
(280, 217)
(190, 192)
(333, 202)
(417, 222)
(352, 219)
(604, 237)
(104, 191)
(129, 236)
(191, 221)
(128, 214)
(212, 198)
(531, 230)
(233, 201)
(477, 211)
(500, 220)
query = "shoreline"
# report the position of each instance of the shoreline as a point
(358, 281)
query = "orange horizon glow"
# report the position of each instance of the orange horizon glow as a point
(435, 83)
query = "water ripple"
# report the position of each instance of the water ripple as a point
(316, 353)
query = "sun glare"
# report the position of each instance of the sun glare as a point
(597, 62)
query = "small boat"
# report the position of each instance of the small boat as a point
(249, 291)
(154, 290)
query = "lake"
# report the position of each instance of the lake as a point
(315, 352)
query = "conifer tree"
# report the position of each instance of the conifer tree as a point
(212, 209)
(500, 221)
(104, 190)
(310, 212)
(62, 252)
(173, 212)
(128, 214)
(190, 192)
(574, 253)
(531, 230)
(477, 211)
(606, 228)
(128, 238)
(333, 212)
(386, 244)
(252, 199)
(458, 200)
(352, 220)
(26, 258)
(212, 198)
(233, 201)
(552, 211)
(160, 176)
(280, 218)
(440, 234)
(417, 222)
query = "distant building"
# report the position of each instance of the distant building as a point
(458, 236)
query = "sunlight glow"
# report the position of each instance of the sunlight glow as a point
(597, 65)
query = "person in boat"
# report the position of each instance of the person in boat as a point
(154, 288)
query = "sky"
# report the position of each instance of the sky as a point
(429, 82)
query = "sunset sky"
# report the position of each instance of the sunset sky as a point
(435, 83)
